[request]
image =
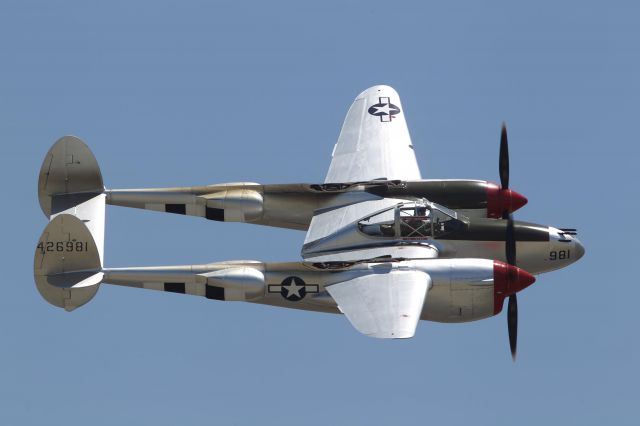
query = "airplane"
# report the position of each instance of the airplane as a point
(383, 246)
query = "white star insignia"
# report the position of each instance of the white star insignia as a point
(293, 289)
(384, 108)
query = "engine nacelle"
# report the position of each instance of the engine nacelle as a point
(473, 198)
(471, 289)
(235, 205)
(237, 284)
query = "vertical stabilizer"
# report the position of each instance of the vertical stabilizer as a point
(70, 182)
(67, 267)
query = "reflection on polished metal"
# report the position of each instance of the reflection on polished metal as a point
(383, 246)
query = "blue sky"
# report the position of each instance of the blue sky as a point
(170, 93)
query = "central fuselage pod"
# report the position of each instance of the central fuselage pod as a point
(423, 223)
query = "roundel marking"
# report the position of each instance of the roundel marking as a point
(384, 109)
(293, 289)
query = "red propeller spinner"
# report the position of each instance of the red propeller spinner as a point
(501, 200)
(508, 280)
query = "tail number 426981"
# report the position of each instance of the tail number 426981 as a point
(61, 246)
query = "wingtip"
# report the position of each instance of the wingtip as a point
(378, 90)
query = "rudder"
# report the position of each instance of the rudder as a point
(70, 182)
(67, 264)
(68, 168)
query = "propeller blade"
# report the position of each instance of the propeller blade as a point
(512, 309)
(510, 242)
(512, 323)
(504, 158)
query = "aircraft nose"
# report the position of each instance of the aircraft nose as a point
(565, 245)
(579, 249)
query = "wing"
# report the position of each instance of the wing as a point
(387, 306)
(374, 143)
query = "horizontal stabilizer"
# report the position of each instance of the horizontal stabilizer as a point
(386, 306)
(67, 267)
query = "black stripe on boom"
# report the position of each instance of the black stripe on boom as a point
(175, 208)
(215, 214)
(174, 287)
(213, 292)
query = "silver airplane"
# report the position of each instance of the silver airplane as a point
(383, 246)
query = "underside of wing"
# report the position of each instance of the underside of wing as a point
(374, 142)
(385, 305)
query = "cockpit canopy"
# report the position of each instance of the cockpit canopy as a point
(411, 221)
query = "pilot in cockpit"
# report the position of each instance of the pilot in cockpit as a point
(416, 225)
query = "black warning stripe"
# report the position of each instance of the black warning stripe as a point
(214, 214)
(213, 292)
(175, 208)
(174, 287)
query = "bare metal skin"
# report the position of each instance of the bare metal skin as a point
(383, 246)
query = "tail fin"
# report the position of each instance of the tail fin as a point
(70, 182)
(67, 267)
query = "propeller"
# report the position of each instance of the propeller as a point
(510, 241)
(504, 159)
(512, 324)
(502, 200)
